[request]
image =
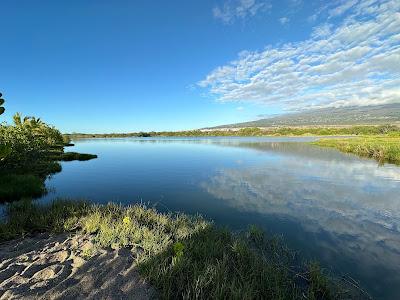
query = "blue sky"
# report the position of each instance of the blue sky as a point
(118, 66)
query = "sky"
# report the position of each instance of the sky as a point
(124, 66)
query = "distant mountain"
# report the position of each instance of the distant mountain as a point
(360, 115)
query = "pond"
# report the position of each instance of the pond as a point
(334, 207)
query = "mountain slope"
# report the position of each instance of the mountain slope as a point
(361, 115)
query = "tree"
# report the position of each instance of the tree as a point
(17, 119)
(2, 109)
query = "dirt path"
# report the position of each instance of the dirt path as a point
(68, 267)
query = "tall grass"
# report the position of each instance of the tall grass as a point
(184, 257)
(27, 217)
(382, 149)
(19, 186)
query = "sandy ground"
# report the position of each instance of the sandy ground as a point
(68, 267)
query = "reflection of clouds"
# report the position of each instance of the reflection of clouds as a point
(307, 155)
(355, 202)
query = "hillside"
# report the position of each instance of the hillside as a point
(365, 115)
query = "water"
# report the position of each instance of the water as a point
(337, 208)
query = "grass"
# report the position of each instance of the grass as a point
(16, 186)
(70, 156)
(381, 148)
(255, 131)
(26, 217)
(28, 180)
(183, 256)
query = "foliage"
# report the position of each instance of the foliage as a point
(28, 143)
(24, 217)
(29, 153)
(26, 151)
(185, 257)
(69, 156)
(382, 149)
(214, 263)
(138, 226)
(16, 186)
(255, 131)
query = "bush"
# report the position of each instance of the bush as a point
(15, 186)
(70, 156)
(30, 147)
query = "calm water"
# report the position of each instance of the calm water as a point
(340, 209)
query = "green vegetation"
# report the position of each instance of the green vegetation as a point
(184, 256)
(254, 131)
(26, 151)
(27, 217)
(19, 186)
(29, 153)
(69, 156)
(383, 148)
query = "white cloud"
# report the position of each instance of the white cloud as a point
(296, 2)
(353, 63)
(239, 9)
(312, 18)
(322, 31)
(342, 8)
(240, 108)
(284, 20)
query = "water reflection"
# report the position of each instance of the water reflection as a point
(338, 208)
(351, 204)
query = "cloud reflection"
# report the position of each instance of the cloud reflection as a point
(353, 202)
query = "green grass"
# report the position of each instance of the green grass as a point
(70, 156)
(184, 256)
(255, 131)
(383, 149)
(26, 217)
(15, 186)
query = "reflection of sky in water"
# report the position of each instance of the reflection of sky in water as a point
(353, 201)
(340, 209)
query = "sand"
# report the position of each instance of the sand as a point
(68, 267)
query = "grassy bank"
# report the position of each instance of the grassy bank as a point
(383, 149)
(184, 256)
(70, 156)
(255, 131)
(19, 186)
(30, 151)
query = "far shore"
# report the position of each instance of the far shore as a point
(312, 130)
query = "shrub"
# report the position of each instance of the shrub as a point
(15, 186)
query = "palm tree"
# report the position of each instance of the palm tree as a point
(17, 119)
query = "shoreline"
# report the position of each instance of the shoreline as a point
(254, 131)
(108, 247)
(61, 266)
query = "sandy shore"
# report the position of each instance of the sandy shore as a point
(68, 267)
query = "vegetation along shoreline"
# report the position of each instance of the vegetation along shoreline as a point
(30, 152)
(181, 256)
